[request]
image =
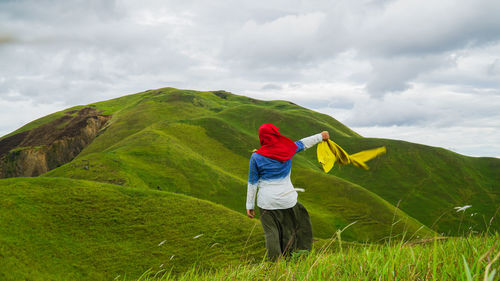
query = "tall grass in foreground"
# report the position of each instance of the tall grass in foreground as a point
(471, 258)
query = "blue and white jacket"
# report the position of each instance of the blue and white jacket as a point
(272, 177)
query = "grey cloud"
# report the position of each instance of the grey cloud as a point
(271, 87)
(394, 75)
(68, 12)
(480, 141)
(422, 38)
(494, 68)
(327, 103)
(474, 71)
(80, 61)
(376, 62)
(394, 116)
(412, 27)
(394, 32)
(427, 109)
(465, 82)
(283, 41)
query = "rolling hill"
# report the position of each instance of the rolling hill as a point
(65, 229)
(198, 144)
(161, 151)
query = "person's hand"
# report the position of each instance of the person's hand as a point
(251, 213)
(325, 135)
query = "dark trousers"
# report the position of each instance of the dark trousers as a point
(286, 230)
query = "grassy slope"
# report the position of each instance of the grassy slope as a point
(193, 143)
(430, 182)
(64, 229)
(471, 258)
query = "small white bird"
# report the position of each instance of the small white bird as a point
(462, 209)
(162, 242)
(197, 236)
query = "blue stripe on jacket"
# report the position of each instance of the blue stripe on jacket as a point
(262, 167)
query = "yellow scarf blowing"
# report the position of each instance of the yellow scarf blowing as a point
(330, 152)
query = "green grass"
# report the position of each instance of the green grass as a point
(64, 229)
(436, 181)
(337, 203)
(172, 164)
(470, 258)
(21, 148)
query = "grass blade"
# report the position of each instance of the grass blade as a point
(467, 270)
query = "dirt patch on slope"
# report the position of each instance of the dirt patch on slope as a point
(39, 150)
(9, 143)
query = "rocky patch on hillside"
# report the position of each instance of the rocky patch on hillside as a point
(34, 152)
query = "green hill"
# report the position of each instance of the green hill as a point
(64, 229)
(428, 182)
(199, 143)
(176, 162)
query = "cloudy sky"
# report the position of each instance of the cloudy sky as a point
(422, 71)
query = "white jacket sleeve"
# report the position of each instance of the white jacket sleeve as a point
(311, 141)
(251, 191)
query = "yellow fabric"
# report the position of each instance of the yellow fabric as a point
(329, 152)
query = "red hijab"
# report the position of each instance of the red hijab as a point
(274, 145)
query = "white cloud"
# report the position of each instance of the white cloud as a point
(15, 114)
(396, 74)
(369, 64)
(465, 122)
(416, 27)
(478, 141)
(285, 40)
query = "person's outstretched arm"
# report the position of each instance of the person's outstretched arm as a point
(311, 141)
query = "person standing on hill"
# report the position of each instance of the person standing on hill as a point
(285, 221)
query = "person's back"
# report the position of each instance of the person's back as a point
(273, 179)
(282, 217)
